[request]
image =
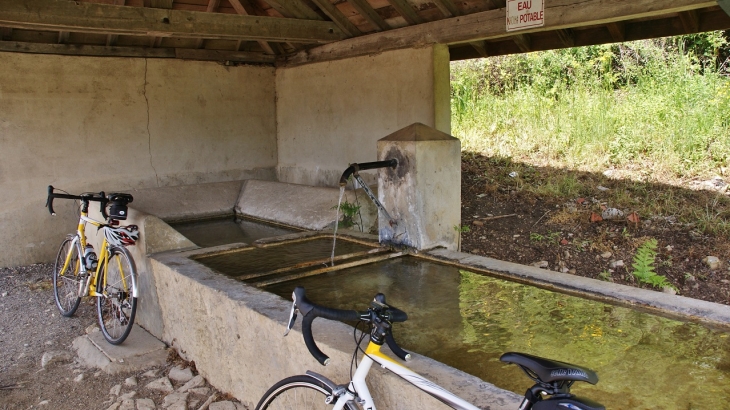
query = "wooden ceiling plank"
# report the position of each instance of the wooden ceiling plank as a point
(690, 21)
(365, 10)
(491, 25)
(211, 8)
(406, 11)
(336, 15)
(135, 21)
(617, 31)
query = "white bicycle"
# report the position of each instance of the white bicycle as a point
(551, 391)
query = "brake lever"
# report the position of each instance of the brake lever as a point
(292, 317)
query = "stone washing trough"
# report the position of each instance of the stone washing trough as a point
(233, 331)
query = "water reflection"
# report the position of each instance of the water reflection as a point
(222, 231)
(468, 320)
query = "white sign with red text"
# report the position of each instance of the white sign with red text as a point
(522, 14)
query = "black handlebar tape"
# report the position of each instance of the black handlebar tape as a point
(49, 200)
(402, 354)
(327, 313)
(397, 315)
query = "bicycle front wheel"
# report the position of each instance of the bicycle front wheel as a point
(116, 305)
(298, 392)
(67, 278)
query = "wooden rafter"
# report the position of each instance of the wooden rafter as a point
(447, 8)
(240, 9)
(480, 47)
(690, 21)
(135, 21)
(294, 9)
(406, 11)
(336, 15)
(111, 39)
(524, 42)
(365, 10)
(617, 30)
(566, 37)
(211, 8)
(491, 25)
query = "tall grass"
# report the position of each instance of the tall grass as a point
(658, 107)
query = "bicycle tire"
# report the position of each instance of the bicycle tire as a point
(66, 284)
(116, 306)
(298, 392)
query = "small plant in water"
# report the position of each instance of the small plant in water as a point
(644, 266)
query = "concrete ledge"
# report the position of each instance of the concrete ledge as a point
(301, 206)
(234, 334)
(184, 202)
(674, 306)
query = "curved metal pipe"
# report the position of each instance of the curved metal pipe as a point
(353, 169)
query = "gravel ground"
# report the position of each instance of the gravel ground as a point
(31, 328)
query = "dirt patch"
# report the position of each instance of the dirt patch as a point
(510, 222)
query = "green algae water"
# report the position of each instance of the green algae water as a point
(467, 320)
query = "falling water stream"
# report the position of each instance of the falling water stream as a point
(337, 222)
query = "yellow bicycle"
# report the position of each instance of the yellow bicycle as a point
(110, 277)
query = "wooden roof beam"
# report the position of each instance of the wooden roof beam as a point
(566, 37)
(211, 8)
(240, 9)
(136, 21)
(617, 31)
(406, 11)
(523, 42)
(447, 8)
(336, 15)
(491, 25)
(365, 10)
(690, 21)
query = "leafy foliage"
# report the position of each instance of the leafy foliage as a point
(349, 212)
(644, 266)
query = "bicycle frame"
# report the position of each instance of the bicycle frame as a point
(373, 354)
(79, 242)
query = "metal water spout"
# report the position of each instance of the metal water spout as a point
(354, 170)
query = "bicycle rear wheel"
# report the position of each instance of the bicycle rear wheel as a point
(116, 305)
(298, 393)
(66, 282)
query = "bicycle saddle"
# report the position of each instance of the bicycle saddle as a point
(548, 371)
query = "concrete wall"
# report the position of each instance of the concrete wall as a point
(234, 333)
(91, 124)
(332, 114)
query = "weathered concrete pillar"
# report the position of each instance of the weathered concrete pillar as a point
(423, 193)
